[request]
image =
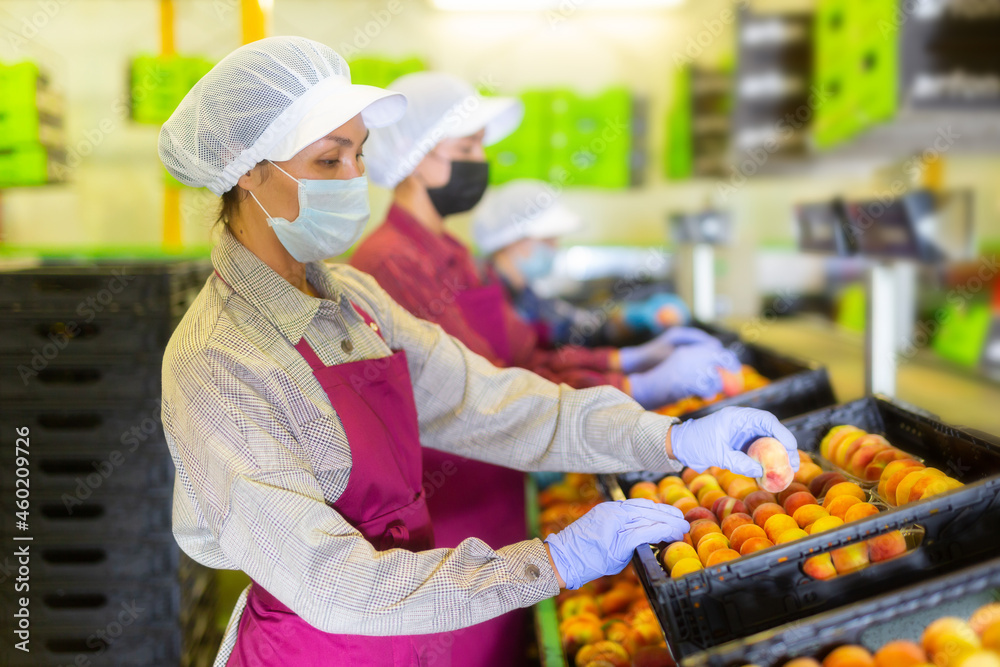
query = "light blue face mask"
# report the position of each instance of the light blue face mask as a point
(332, 215)
(538, 264)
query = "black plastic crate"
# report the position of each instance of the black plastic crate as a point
(88, 559)
(64, 379)
(820, 634)
(768, 588)
(132, 428)
(83, 291)
(96, 475)
(24, 336)
(56, 517)
(133, 646)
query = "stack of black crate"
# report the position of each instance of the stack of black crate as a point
(81, 348)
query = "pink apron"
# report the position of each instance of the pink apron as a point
(481, 500)
(384, 500)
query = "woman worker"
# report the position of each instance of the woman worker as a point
(517, 228)
(296, 397)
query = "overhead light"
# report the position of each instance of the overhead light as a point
(548, 5)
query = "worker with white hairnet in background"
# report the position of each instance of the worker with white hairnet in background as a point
(517, 229)
(433, 160)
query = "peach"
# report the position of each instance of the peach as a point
(793, 488)
(672, 493)
(721, 556)
(687, 539)
(809, 514)
(644, 490)
(604, 652)
(615, 601)
(823, 524)
(819, 483)
(851, 558)
(900, 653)
(886, 546)
(939, 486)
(948, 637)
(820, 567)
(701, 528)
(865, 443)
(714, 471)
(688, 474)
(773, 458)
(991, 636)
(833, 436)
(844, 489)
(579, 604)
(807, 472)
(889, 481)
(685, 566)
(724, 478)
(791, 535)
(755, 544)
(930, 476)
(711, 543)
(805, 457)
(580, 632)
(845, 449)
(984, 617)
(653, 656)
(838, 506)
(758, 498)
(733, 521)
(873, 471)
(709, 496)
(728, 505)
(902, 495)
(797, 500)
(670, 480)
(703, 481)
(625, 635)
(732, 383)
(849, 656)
(802, 662)
(778, 524)
(700, 513)
(743, 533)
(859, 511)
(674, 552)
(980, 658)
(685, 504)
(740, 487)
(765, 512)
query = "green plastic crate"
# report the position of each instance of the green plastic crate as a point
(963, 334)
(25, 165)
(380, 72)
(158, 84)
(525, 152)
(680, 148)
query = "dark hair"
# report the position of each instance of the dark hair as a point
(232, 198)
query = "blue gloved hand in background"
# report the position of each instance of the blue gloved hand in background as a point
(655, 313)
(721, 439)
(643, 357)
(692, 370)
(601, 542)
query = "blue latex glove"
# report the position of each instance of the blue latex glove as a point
(644, 316)
(601, 542)
(692, 370)
(721, 439)
(643, 357)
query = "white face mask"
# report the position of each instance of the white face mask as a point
(332, 215)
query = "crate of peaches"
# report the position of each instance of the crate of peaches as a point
(605, 622)
(763, 552)
(770, 381)
(949, 621)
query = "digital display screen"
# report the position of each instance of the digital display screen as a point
(821, 228)
(900, 228)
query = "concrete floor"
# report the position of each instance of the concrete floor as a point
(957, 396)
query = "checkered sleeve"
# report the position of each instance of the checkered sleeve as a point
(257, 490)
(513, 417)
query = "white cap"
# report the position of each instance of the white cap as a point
(521, 209)
(439, 106)
(265, 101)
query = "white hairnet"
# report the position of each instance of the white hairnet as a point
(265, 101)
(439, 106)
(521, 209)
